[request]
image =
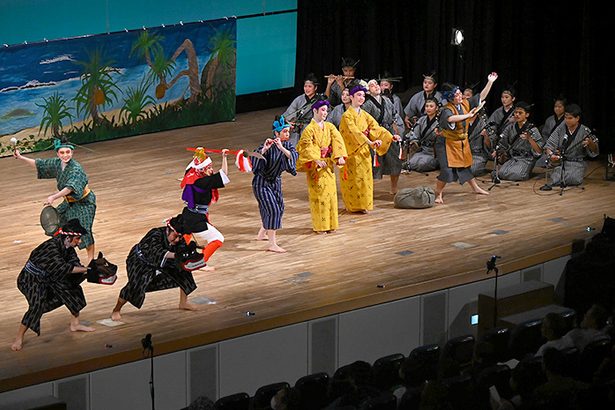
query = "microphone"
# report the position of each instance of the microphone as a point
(146, 342)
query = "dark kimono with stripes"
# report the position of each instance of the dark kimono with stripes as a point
(267, 182)
(149, 270)
(47, 282)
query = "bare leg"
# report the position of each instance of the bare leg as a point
(18, 343)
(262, 234)
(91, 251)
(273, 244)
(76, 326)
(116, 315)
(394, 179)
(183, 302)
(476, 188)
(439, 188)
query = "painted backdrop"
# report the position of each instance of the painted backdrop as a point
(114, 85)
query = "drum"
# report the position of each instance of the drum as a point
(50, 220)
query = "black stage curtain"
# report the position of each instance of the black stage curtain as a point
(544, 48)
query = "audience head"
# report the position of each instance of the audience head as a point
(554, 326)
(595, 318)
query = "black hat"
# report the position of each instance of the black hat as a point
(431, 76)
(524, 106)
(311, 78)
(386, 76)
(349, 62)
(177, 224)
(73, 228)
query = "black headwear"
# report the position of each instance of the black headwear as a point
(432, 76)
(311, 78)
(349, 62)
(177, 224)
(73, 228)
(524, 106)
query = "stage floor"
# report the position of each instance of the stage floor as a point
(406, 252)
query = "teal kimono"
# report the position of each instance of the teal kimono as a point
(81, 203)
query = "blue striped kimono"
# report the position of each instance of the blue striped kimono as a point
(267, 182)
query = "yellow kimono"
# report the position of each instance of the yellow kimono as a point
(325, 144)
(357, 179)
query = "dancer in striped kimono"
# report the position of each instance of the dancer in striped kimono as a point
(152, 265)
(280, 156)
(72, 183)
(520, 145)
(422, 139)
(321, 148)
(200, 190)
(568, 146)
(51, 278)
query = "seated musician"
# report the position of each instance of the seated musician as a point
(480, 135)
(337, 83)
(520, 146)
(567, 147)
(422, 139)
(299, 112)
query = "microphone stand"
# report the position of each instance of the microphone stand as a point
(491, 266)
(148, 349)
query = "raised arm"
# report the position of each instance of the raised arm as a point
(27, 160)
(490, 80)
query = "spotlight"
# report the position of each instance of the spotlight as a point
(456, 36)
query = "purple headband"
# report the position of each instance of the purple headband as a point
(320, 103)
(356, 89)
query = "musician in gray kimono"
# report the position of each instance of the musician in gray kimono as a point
(384, 112)
(551, 123)
(422, 138)
(416, 106)
(335, 116)
(480, 136)
(502, 117)
(299, 112)
(567, 148)
(520, 146)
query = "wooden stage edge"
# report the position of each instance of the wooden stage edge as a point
(387, 255)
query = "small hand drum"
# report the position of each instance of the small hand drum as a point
(50, 220)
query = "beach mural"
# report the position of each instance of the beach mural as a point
(106, 86)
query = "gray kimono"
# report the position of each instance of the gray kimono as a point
(424, 133)
(522, 155)
(384, 112)
(300, 113)
(571, 170)
(416, 105)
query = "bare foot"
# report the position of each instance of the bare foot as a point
(261, 238)
(276, 249)
(331, 231)
(481, 191)
(81, 328)
(188, 306)
(17, 344)
(439, 200)
(116, 316)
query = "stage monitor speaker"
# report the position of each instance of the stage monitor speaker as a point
(513, 299)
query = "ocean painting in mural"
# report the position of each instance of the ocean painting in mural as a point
(115, 85)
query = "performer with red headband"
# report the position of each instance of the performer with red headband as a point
(200, 190)
(153, 264)
(72, 183)
(51, 278)
(279, 156)
(321, 148)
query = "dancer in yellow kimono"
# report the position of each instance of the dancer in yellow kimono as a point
(320, 148)
(360, 132)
